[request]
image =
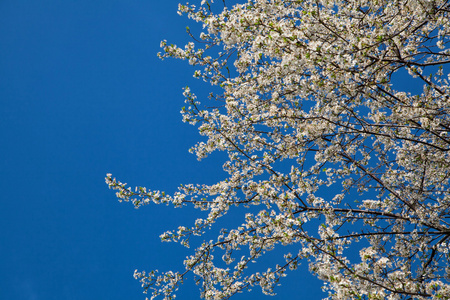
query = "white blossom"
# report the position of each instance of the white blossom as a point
(326, 150)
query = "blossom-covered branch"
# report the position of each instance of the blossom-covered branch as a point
(327, 148)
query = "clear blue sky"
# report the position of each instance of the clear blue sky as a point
(82, 94)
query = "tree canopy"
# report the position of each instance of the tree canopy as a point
(328, 149)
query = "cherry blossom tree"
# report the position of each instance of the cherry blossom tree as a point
(329, 152)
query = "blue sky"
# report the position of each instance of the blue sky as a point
(83, 94)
